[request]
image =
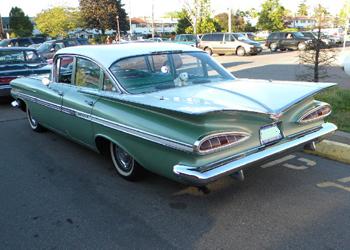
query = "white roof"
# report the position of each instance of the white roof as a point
(108, 54)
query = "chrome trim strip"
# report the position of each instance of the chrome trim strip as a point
(320, 106)
(5, 86)
(111, 124)
(203, 175)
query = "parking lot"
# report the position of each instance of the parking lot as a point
(56, 194)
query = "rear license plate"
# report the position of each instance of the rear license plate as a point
(269, 134)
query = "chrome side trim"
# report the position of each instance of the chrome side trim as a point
(203, 175)
(111, 124)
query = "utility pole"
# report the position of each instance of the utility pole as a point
(118, 29)
(130, 19)
(153, 19)
(1, 28)
(229, 20)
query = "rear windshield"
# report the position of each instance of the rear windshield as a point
(19, 56)
(154, 72)
(11, 56)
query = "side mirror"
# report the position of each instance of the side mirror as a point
(46, 81)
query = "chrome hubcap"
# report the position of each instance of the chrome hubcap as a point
(124, 160)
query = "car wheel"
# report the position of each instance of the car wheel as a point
(273, 47)
(125, 164)
(302, 46)
(208, 50)
(34, 124)
(240, 51)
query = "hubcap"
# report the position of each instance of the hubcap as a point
(123, 160)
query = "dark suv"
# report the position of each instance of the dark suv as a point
(21, 42)
(287, 40)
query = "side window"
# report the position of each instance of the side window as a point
(289, 36)
(205, 38)
(87, 74)
(227, 37)
(108, 84)
(65, 69)
(218, 37)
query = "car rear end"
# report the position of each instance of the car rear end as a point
(5, 88)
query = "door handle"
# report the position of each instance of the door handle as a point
(90, 103)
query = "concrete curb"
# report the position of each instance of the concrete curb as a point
(332, 150)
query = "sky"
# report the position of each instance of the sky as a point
(141, 8)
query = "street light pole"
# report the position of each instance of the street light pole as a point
(152, 19)
(118, 29)
(229, 20)
(130, 19)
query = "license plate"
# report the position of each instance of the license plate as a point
(269, 134)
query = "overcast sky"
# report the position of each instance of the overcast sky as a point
(144, 7)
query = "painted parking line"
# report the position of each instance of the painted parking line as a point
(306, 163)
(328, 184)
(276, 162)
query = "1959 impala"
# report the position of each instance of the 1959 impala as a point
(171, 109)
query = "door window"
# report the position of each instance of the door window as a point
(65, 69)
(88, 74)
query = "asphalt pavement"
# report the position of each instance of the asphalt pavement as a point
(56, 194)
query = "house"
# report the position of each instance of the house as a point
(301, 22)
(143, 26)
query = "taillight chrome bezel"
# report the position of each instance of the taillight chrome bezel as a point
(302, 120)
(197, 145)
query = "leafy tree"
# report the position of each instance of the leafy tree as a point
(183, 23)
(238, 22)
(20, 24)
(271, 16)
(102, 14)
(57, 21)
(303, 9)
(344, 14)
(199, 13)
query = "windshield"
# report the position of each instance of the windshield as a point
(154, 72)
(298, 34)
(240, 37)
(11, 56)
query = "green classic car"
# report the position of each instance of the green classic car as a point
(171, 109)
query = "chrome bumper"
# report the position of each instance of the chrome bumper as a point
(199, 176)
(5, 90)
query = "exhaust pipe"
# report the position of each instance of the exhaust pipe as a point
(310, 146)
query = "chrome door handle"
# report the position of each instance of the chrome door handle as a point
(90, 103)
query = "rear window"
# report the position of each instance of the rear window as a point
(151, 73)
(11, 57)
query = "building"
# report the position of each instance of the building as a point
(143, 26)
(301, 22)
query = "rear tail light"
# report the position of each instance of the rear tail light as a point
(317, 113)
(215, 142)
(6, 79)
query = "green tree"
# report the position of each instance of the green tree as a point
(199, 12)
(102, 14)
(344, 14)
(183, 22)
(20, 24)
(271, 16)
(303, 9)
(57, 21)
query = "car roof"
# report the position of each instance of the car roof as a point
(106, 55)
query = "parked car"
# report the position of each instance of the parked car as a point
(16, 62)
(171, 109)
(222, 43)
(326, 41)
(287, 40)
(21, 42)
(187, 39)
(49, 48)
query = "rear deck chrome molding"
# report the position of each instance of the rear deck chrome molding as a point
(203, 175)
(110, 124)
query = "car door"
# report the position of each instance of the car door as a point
(79, 98)
(230, 43)
(287, 40)
(49, 97)
(217, 43)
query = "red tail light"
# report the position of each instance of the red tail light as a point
(6, 79)
(219, 141)
(317, 113)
